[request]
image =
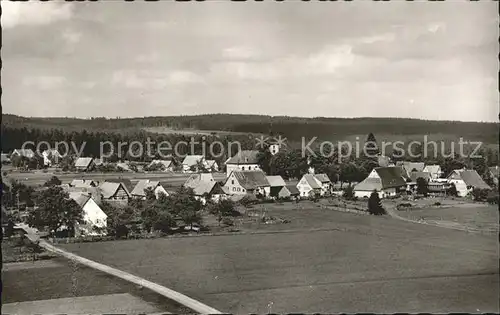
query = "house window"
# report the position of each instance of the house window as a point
(239, 189)
(242, 168)
(234, 188)
(232, 182)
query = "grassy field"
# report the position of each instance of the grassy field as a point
(477, 216)
(58, 278)
(39, 178)
(326, 262)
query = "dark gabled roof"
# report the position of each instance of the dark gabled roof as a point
(472, 178)
(391, 177)
(275, 181)
(251, 179)
(293, 189)
(424, 175)
(142, 185)
(244, 157)
(323, 178)
(369, 184)
(125, 181)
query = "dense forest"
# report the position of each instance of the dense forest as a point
(294, 128)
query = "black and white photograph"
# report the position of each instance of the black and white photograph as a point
(250, 157)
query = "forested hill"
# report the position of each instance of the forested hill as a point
(291, 127)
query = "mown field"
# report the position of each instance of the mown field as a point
(353, 263)
(59, 278)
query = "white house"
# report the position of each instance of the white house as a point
(326, 184)
(245, 160)
(114, 191)
(434, 170)
(409, 167)
(309, 185)
(247, 182)
(191, 162)
(139, 190)
(466, 180)
(274, 148)
(84, 164)
(387, 181)
(211, 165)
(51, 156)
(95, 220)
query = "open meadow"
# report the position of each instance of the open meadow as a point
(331, 262)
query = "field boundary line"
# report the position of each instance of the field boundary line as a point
(166, 292)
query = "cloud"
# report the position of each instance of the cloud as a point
(34, 13)
(328, 60)
(240, 52)
(44, 82)
(150, 79)
(71, 37)
(183, 77)
(387, 37)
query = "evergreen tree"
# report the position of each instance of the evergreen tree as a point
(375, 205)
(422, 186)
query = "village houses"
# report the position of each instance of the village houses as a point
(163, 165)
(205, 186)
(27, 153)
(51, 157)
(245, 160)
(247, 182)
(192, 163)
(276, 183)
(84, 164)
(387, 181)
(434, 170)
(309, 185)
(466, 180)
(95, 220)
(142, 185)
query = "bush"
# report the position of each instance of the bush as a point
(480, 194)
(349, 193)
(493, 198)
(437, 203)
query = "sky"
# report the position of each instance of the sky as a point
(362, 58)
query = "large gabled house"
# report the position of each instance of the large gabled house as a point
(247, 182)
(205, 186)
(466, 180)
(245, 160)
(192, 163)
(142, 185)
(84, 164)
(387, 181)
(112, 191)
(95, 220)
(309, 185)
